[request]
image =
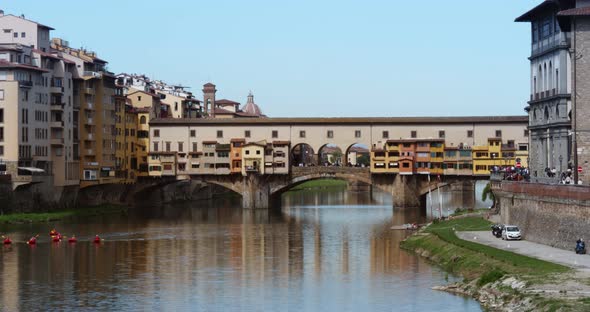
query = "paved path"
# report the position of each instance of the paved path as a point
(539, 251)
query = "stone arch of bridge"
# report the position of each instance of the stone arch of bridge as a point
(359, 145)
(279, 189)
(329, 148)
(303, 153)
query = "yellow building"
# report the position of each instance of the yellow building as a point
(253, 157)
(143, 141)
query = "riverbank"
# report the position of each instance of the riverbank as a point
(40, 217)
(322, 183)
(499, 279)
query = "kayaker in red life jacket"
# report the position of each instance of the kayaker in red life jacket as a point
(56, 238)
(73, 239)
(7, 240)
(32, 240)
(97, 239)
(53, 233)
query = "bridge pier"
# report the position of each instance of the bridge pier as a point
(255, 192)
(464, 191)
(406, 191)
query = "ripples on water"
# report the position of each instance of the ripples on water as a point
(323, 251)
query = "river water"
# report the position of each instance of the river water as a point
(324, 250)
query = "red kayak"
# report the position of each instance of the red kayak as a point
(32, 241)
(72, 239)
(56, 239)
(53, 233)
(7, 241)
(97, 239)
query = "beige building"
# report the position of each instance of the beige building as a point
(37, 111)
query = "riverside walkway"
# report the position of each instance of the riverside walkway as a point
(564, 257)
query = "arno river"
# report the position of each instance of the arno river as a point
(324, 250)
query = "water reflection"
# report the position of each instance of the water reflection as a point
(323, 251)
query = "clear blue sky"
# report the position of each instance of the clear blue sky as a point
(311, 57)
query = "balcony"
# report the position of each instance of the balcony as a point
(25, 84)
(89, 91)
(92, 74)
(57, 141)
(57, 106)
(90, 106)
(89, 151)
(57, 124)
(89, 137)
(91, 165)
(89, 121)
(58, 90)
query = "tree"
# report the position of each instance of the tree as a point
(487, 193)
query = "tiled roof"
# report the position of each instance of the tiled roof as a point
(225, 102)
(583, 11)
(6, 64)
(529, 15)
(221, 111)
(281, 142)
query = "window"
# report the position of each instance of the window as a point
(302, 133)
(414, 134)
(441, 134)
(385, 134)
(155, 146)
(167, 146)
(258, 152)
(498, 133)
(193, 133)
(156, 133)
(1, 95)
(139, 97)
(142, 120)
(330, 134)
(180, 147)
(275, 134)
(405, 165)
(469, 133)
(1, 134)
(357, 133)
(526, 132)
(247, 133)
(22, 35)
(247, 152)
(194, 146)
(1, 150)
(15, 34)
(220, 133)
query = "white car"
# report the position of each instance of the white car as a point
(511, 232)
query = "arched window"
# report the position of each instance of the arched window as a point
(535, 114)
(557, 81)
(142, 120)
(550, 78)
(546, 113)
(540, 86)
(545, 77)
(557, 111)
(534, 86)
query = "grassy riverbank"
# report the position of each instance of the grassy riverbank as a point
(321, 183)
(39, 217)
(499, 279)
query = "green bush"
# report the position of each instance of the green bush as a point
(490, 277)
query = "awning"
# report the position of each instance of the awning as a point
(32, 169)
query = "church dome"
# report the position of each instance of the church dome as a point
(251, 108)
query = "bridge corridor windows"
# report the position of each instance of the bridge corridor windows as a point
(275, 134)
(358, 155)
(385, 134)
(303, 155)
(302, 134)
(330, 134)
(330, 155)
(357, 133)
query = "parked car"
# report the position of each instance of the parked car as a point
(511, 232)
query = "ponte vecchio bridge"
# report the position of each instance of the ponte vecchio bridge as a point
(260, 158)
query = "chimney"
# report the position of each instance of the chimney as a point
(1, 12)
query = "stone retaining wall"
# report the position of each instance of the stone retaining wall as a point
(555, 215)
